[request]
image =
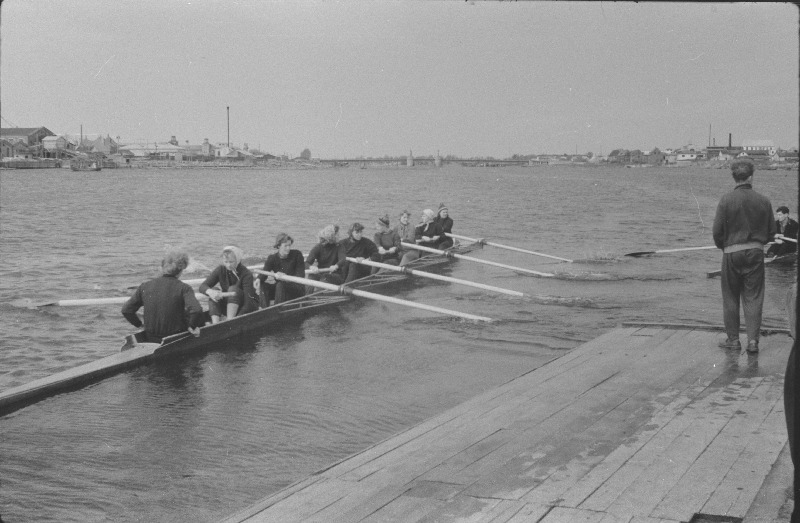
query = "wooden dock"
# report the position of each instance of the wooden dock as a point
(641, 425)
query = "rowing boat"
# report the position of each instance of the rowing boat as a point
(778, 261)
(135, 353)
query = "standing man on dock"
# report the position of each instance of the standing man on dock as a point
(742, 226)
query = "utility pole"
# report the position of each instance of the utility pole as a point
(229, 126)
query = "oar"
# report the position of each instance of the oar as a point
(477, 260)
(198, 281)
(423, 274)
(105, 301)
(371, 295)
(500, 246)
(642, 253)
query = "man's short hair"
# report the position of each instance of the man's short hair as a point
(783, 209)
(742, 170)
(174, 263)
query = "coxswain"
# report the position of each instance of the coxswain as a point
(170, 306)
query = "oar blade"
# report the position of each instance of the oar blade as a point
(640, 253)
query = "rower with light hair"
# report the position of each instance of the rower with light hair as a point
(427, 234)
(236, 294)
(325, 259)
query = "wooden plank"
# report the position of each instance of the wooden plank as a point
(591, 482)
(306, 503)
(659, 438)
(576, 515)
(573, 415)
(529, 512)
(623, 428)
(707, 472)
(250, 513)
(739, 487)
(403, 509)
(438, 428)
(664, 466)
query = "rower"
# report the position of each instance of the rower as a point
(326, 254)
(287, 261)
(170, 306)
(427, 234)
(235, 281)
(356, 246)
(406, 232)
(388, 242)
(444, 220)
(787, 229)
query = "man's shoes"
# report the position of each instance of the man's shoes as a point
(731, 344)
(752, 347)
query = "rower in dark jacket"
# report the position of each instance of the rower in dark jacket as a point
(170, 306)
(787, 228)
(356, 246)
(287, 261)
(327, 254)
(234, 279)
(388, 242)
(444, 220)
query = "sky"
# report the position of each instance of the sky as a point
(372, 78)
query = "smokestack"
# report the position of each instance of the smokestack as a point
(730, 144)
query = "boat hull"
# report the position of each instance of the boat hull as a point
(135, 353)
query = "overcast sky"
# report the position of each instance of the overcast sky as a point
(351, 78)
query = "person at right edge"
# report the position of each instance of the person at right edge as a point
(743, 224)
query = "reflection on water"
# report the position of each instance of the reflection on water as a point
(198, 437)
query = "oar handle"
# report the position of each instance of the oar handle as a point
(507, 247)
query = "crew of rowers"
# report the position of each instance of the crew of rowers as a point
(171, 307)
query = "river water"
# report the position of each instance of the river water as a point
(203, 436)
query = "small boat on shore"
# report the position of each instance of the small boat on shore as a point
(135, 353)
(85, 164)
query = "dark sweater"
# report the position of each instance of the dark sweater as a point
(430, 230)
(292, 265)
(169, 305)
(362, 248)
(325, 254)
(241, 279)
(743, 216)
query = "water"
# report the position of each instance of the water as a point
(200, 437)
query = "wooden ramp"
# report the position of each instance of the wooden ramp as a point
(639, 425)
